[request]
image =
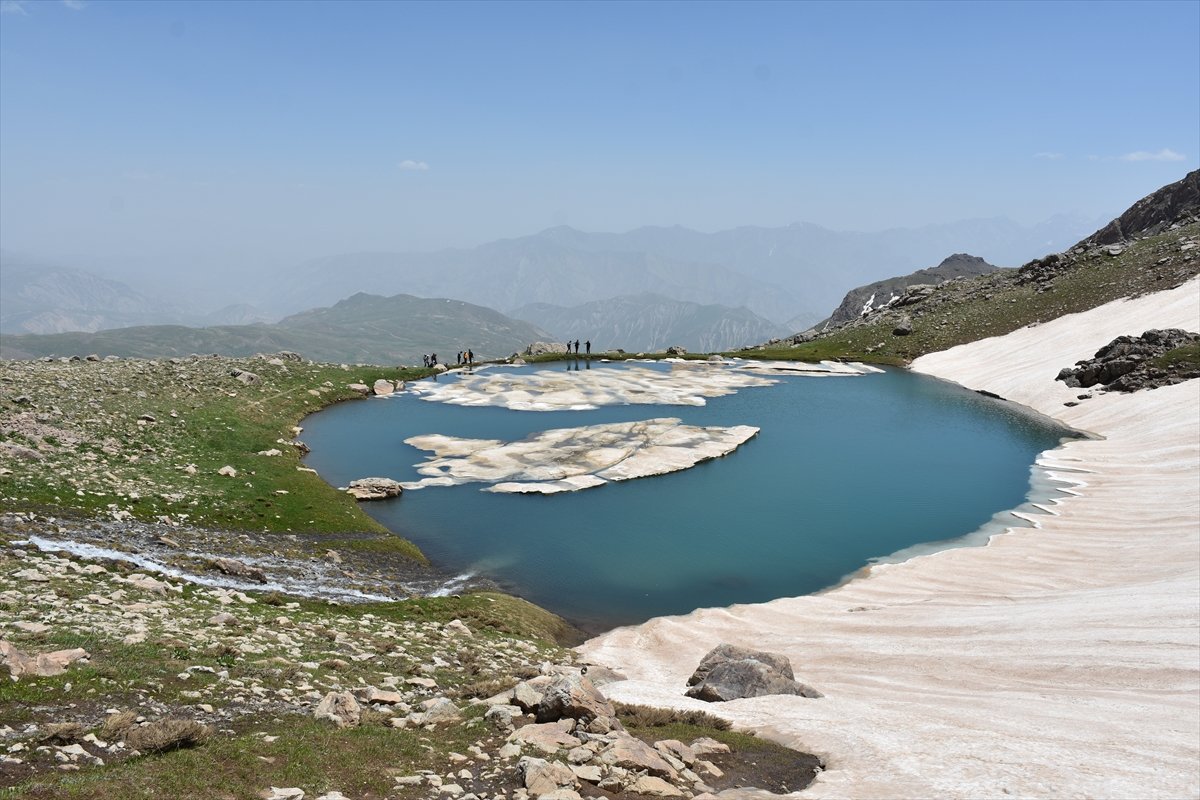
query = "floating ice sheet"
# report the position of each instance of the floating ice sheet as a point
(570, 459)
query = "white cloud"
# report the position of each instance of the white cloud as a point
(1165, 154)
(413, 166)
(1048, 156)
(75, 5)
(13, 7)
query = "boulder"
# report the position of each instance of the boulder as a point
(340, 708)
(245, 377)
(359, 388)
(542, 348)
(575, 697)
(501, 717)
(633, 754)
(383, 387)
(729, 672)
(653, 786)
(239, 570)
(541, 777)
(676, 350)
(549, 737)
(441, 711)
(527, 696)
(903, 327)
(41, 665)
(374, 489)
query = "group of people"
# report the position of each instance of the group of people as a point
(464, 357)
(587, 344)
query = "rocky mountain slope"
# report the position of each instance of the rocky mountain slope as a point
(874, 296)
(1159, 249)
(360, 329)
(651, 323)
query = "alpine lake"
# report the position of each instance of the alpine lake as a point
(846, 470)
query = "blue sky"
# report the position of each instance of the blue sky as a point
(271, 132)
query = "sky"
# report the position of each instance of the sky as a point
(242, 134)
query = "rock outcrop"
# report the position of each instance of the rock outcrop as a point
(729, 672)
(374, 488)
(1130, 363)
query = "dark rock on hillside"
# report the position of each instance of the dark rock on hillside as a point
(1128, 363)
(729, 672)
(1176, 203)
(905, 289)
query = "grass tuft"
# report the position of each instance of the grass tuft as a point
(168, 734)
(636, 716)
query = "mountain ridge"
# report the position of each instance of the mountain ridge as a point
(651, 322)
(363, 328)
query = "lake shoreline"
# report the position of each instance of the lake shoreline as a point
(1054, 661)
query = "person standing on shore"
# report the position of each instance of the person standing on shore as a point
(588, 345)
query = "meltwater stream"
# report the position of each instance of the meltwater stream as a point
(843, 471)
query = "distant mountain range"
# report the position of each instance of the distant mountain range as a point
(652, 323)
(787, 275)
(360, 329)
(38, 297)
(777, 273)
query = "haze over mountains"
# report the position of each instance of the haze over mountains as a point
(645, 289)
(778, 273)
(360, 329)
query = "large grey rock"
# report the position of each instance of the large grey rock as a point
(729, 672)
(239, 569)
(549, 737)
(383, 387)
(374, 488)
(41, 665)
(340, 708)
(440, 711)
(541, 777)
(541, 348)
(573, 696)
(633, 754)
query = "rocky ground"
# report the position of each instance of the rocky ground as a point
(109, 665)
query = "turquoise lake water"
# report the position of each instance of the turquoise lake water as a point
(844, 470)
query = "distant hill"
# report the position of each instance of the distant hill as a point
(360, 329)
(777, 273)
(36, 297)
(880, 293)
(649, 322)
